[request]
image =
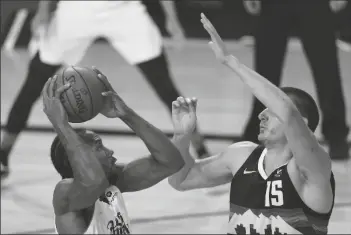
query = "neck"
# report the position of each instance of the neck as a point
(277, 155)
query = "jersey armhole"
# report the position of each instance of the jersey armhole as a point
(252, 159)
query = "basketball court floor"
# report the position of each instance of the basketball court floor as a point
(224, 104)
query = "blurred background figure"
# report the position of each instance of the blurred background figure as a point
(314, 24)
(64, 31)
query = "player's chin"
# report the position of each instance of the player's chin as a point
(261, 137)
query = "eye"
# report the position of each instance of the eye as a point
(98, 144)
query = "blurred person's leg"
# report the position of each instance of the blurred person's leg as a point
(141, 44)
(270, 45)
(319, 41)
(38, 73)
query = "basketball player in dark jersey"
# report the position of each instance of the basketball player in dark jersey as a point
(285, 185)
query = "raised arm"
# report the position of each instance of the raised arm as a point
(208, 172)
(311, 160)
(89, 180)
(173, 24)
(164, 159)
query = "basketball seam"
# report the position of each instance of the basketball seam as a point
(63, 83)
(90, 95)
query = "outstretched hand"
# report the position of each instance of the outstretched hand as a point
(113, 106)
(216, 43)
(184, 115)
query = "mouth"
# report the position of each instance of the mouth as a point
(262, 128)
(113, 159)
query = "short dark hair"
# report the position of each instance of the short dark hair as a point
(59, 157)
(305, 104)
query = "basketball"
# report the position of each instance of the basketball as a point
(83, 101)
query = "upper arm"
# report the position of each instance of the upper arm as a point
(218, 169)
(71, 197)
(142, 173)
(311, 160)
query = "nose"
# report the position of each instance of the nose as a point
(263, 116)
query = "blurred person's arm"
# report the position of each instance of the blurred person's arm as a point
(42, 16)
(173, 24)
(252, 6)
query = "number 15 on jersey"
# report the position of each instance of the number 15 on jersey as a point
(274, 193)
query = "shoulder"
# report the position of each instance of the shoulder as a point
(59, 200)
(237, 153)
(240, 149)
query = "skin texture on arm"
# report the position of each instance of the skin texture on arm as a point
(164, 158)
(212, 171)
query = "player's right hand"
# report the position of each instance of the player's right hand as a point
(53, 107)
(114, 106)
(184, 115)
(252, 6)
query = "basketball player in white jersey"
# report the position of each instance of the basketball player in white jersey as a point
(285, 185)
(88, 199)
(62, 36)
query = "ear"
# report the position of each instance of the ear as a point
(305, 120)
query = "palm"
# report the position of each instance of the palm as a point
(113, 106)
(216, 42)
(108, 109)
(184, 120)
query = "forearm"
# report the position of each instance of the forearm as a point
(182, 142)
(46, 6)
(86, 168)
(160, 147)
(170, 10)
(270, 95)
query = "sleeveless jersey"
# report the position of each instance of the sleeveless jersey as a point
(110, 216)
(261, 204)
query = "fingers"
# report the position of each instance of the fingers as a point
(62, 89)
(103, 78)
(187, 103)
(46, 89)
(96, 70)
(107, 93)
(51, 87)
(210, 28)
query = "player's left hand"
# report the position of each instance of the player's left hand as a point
(113, 106)
(337, 5)
(176, 32)
(216, 43)
(184, 115)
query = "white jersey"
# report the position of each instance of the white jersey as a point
(110, 218)
(76, 24)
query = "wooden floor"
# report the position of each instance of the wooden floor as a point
(223, 107)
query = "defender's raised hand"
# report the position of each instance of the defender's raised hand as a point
(216, 43)
(53, 107)
(184, 115)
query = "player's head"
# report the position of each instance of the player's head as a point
(272, 130)
(93, 141)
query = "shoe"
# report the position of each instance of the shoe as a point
(339, 150)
